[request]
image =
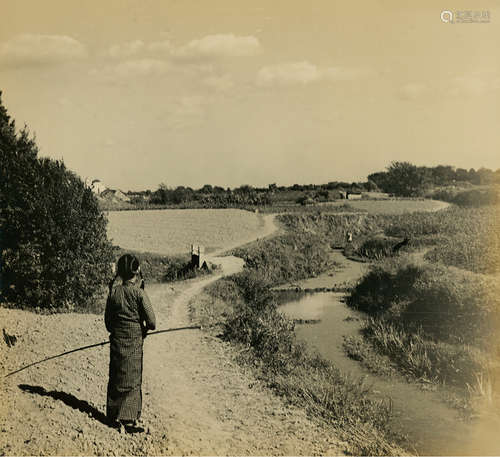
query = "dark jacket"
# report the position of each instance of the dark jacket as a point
(129, 311)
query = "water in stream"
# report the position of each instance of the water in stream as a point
(432, 426)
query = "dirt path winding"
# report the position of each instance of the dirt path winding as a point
(212, 406)
(197, 400)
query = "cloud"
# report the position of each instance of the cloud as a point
(413, 90)
(288, 73)
(208, 47)
(220, 83)
(30, 49)
(471, 84)
(186, 111)
(141, 67)
(125, 50)
(161, 47)
(346, 74)
(221, 45)
(292, 73)
(127, 70)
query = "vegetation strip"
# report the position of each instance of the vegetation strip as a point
(250, 318)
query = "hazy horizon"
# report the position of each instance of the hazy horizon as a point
(230, 93)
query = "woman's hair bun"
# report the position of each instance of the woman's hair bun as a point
(128, 266)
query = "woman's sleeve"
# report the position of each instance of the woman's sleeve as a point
(107, 314)
(146, 310)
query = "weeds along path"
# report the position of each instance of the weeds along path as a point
(201, 402)
(196, 399)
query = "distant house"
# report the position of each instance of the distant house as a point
(95, 185)
(354, 195)
(114, 195)
(98, 187)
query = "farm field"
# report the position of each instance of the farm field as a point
(399, 206)
(173, 231)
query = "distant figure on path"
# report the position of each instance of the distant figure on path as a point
(128, 317)
(348, 237)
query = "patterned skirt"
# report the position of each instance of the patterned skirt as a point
(124, 399)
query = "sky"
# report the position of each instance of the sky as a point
(231, 92)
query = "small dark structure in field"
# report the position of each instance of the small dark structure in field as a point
(398, 246)
(198, 257)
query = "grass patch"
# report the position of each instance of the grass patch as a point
(467, 238)
(359, 349)
(470, 198)
(432, 322)
(475, 245)
(288, 257)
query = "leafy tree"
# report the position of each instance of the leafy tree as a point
(461, 174)
(162, 195)
(405, 179)
(370, 186)
(486, 176)
(54, 247)
(207, 189)
(244, 189)
(443, 174)
(380, 180)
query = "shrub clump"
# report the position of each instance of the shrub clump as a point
(288, 257)
(432, 321)
(471, 198)
(376, 248)
(54, 248)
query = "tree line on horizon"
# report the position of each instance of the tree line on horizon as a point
(401, 179)
(405, 179)
(217, 196)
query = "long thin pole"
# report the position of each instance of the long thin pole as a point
(192, 327)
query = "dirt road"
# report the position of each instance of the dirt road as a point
(196, 399)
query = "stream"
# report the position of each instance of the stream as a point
(430, 426)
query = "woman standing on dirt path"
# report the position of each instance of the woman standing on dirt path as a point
(128, 317)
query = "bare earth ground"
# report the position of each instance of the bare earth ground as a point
(196, 399)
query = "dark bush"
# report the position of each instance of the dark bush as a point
(386, 286)
(471, 198)
(447, 305)
(54, 246)
(376, 248)
(477, 197)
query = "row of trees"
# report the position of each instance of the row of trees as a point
(209, 196)
(53, 245)
(408, 180)
(216, 196)
(400, 178)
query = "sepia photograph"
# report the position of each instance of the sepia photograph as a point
(249, 227)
